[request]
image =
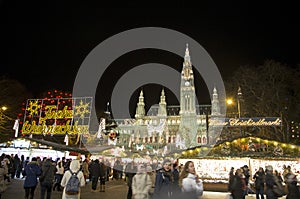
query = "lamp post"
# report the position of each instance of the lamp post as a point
(239, 96)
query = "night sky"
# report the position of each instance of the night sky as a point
(43, 44)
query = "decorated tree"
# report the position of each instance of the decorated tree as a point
(13, 93)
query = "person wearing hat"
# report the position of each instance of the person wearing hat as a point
(270, 182)
(141, 183)
(164, 181)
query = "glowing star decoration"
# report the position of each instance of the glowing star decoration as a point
(82, 109)
(33, 108)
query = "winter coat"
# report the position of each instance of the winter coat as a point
(191, 188)
(163, 185)
(31, 171)
(3, 172)
(48, 171)
(85, 168)
(95, 169)
(141, 185)
(293, 190)
(238, 187)
(60, 168)
(74, 167)
(259, 180)
(270, 182)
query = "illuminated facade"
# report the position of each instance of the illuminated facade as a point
(170, 127)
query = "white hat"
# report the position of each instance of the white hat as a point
(269, 168)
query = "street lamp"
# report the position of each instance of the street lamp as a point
(3, 108)
(231, 102)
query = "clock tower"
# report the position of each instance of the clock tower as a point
(188, 124)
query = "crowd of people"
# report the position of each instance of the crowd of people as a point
(266, 182)
(159, 180)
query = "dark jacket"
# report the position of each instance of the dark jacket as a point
(163, 185)
(95, 169)
(48, 170)
(259, 180)
(238, 187)
(31, 171)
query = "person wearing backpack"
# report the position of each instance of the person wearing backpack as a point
(70, 176)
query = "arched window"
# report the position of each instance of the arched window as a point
(199, 139)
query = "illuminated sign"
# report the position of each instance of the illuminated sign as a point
(57, 116)
(236, 122)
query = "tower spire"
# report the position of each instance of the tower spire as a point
(187, 57)
(162, 110)
(215, 106)
(140, 109)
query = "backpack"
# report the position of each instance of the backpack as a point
(72, 187)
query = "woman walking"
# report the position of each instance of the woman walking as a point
(74, 168)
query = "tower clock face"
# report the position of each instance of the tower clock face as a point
(187, 83)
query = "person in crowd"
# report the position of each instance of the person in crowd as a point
(25, 162)
(58, 175)
(191, 185)
(95, 173)
(102, 176)
(270, 182)
(246, 172)
(259, 178)
(3, 172)
(238, 185)
(20, 169)
(85, 169)
(163, 181)
(278, 176)
(291, 181)
(150, 173)
(31, 172)
(116, 170)
(17, 163)
(130, 171)
(48, 171)
(141, 183)
(8, 164)
(108, 169)
(176, 188)
(231, 178)
(75, 168)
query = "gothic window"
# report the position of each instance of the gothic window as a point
(150, 139)
(199, 139)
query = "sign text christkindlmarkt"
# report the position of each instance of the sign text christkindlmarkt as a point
(57, 116)
(236, 122)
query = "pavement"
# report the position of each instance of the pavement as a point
(114, 190)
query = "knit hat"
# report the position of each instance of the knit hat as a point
(148, 169)
(166, 161)
(141, 168)
(269, 168)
